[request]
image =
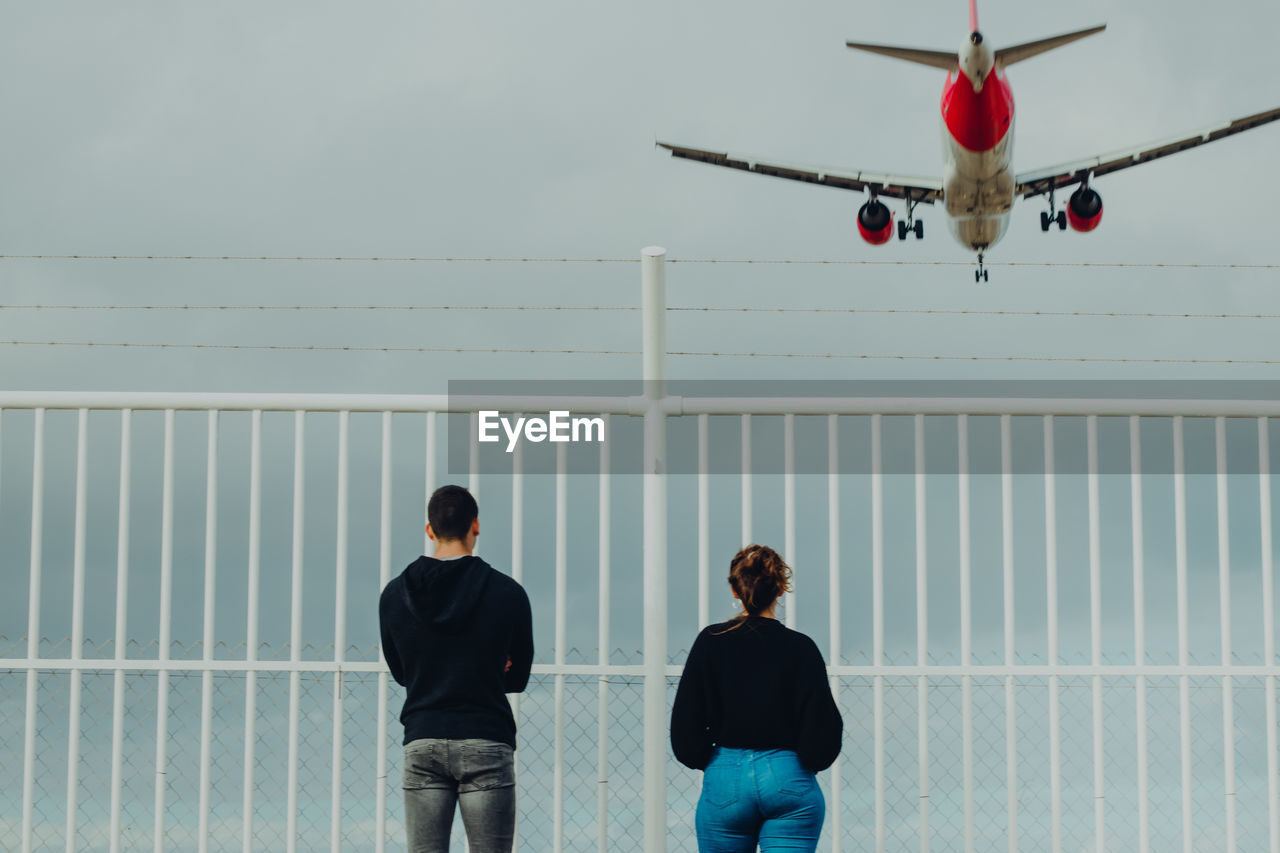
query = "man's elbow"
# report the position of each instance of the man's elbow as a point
(516, 682)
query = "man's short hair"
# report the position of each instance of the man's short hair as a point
(450, 512)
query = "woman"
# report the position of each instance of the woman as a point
(754, 711)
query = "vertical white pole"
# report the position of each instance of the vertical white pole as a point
(166, 607)
(1095, 627)
(922, 635)
(517, 516)
(122, 613)
(602, 685)
(295, 626)
(653, 303)
(877, 622)
(33, 627)
(384, 578)
(1139, 628)
(833, 604)
(210, 590)
(1010, 656)
(1051, 572)
(1184, 653)
(77, 630)
(746, 480)
(704, 527)
(789, 510)
(562, 615)
(340, 628)
(473, 456)
(1224, 610)
(966, 627)
(1268, 628)
(431, 474)
(251, 627)
(517, 573)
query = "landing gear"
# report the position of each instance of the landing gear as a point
(905, 228)
(1060, 218)
(1052, 216)
(911, 224)
(980, 274)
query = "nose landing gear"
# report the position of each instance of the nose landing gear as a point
(980, 274)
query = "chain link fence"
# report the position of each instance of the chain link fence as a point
(623, 819)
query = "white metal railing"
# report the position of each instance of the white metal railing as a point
(655, 673)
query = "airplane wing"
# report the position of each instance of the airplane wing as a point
(1043, 180)
(926, 190)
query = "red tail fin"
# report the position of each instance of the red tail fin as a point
(973, 16)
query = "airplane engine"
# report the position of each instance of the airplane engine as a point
(875, 223)
(1084, 210)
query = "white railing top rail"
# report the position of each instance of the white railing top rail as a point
(636, 405)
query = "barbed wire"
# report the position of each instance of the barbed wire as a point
(301, 347)
(969, 263)
(697, 353)
(141, 307)
(344, 258)
(950, 312)
(567, 260)
(880, 357)
(968, 312)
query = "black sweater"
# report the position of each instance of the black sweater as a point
(448, 627)
(758, 685)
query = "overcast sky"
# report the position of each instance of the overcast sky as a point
(447, 129)
(456, 129)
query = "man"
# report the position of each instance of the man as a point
(458, 634)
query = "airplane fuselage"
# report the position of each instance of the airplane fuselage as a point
(977, 148)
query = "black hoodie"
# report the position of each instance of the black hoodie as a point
(448, 628)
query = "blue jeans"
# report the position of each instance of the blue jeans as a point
(758, 796)
(478, 776)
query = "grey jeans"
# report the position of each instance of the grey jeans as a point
(477, 775)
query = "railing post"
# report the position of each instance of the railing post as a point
(653, 310)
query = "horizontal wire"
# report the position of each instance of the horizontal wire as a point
(39, 307)
(705, 353)
(877, 357)
(1028, 264)
(348, 258)
(317, 347)
(762, 261)
(959, 312)
(966, 312)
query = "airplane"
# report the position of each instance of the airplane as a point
(978, 186)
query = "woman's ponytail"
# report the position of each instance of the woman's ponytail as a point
(758, 575)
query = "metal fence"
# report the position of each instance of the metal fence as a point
(1001, 735)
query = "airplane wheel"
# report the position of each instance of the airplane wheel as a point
(902, 230)
(977, 276)
(1044, 220)
(919, 229)
(1062, 220)
(985, 273)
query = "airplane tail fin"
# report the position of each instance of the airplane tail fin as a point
(973, 16)
(1009, 55)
